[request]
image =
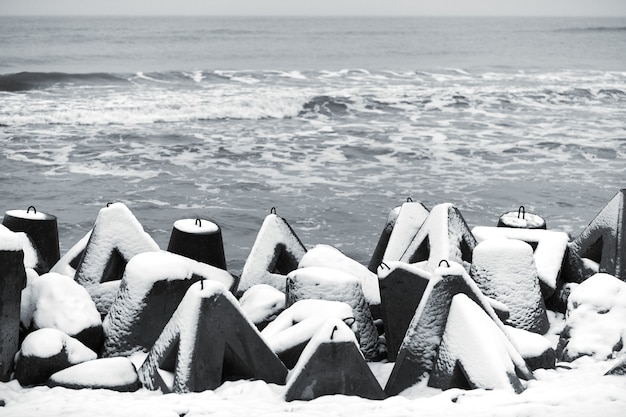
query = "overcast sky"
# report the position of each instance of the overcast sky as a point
(317, 7)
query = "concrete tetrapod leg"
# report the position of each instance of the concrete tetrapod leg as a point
(417, 355)
(383, 240)
(276, 252)
(332, 364)
(208, 341)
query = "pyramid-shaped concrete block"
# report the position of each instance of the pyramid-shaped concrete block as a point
(116, 237)
(444, 235)
(331, 284)
(332, 364)
(208, 341)
(401, 288)
(291, 331)
(549, 251)
(504, 270)
(417, 355)
(383, 240)
(602, 243)
(276, 252)
(153, 285)
(473, 351)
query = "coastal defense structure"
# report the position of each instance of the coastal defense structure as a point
(198, 239)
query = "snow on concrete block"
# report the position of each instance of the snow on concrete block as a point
(290, 332)
(619, 368)
(550, 249)
(262, 303)
(504, 270)
(71, 259)
(473, 351)
(410, 219)
(536, 349)
(519, 219)
(116, 237)
(32, 256)
(417, 354)
(383, 240)
(153, 285)
(58, 302)
(332, 364)
(331, 257)
(12, 280)
(276, 252)
(198, 239)
(117, 374)
(595, 323)
(46, 351)
(443, 236)
(401, 288)
(603, 242)
(322, 283)
(208, 341)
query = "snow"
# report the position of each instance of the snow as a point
(29, 214)
(45, 343)
(63, 265)
(410, 218)
(526, 220)
(196, 226)
(262, 302)
(301, 320)
(57, 301)
(529, 344)
(331, 257)
(15, 241)
(549, 253)
(595, 322)
(9, 240)
(98, 373)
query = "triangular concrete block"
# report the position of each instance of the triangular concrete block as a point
(401, 289)
(383, 240)
(332, 364)
(417, 355)
(444, 235)
(153, 285)
(276, 252)
(208, 341)
(473, 351)
(603, 242)
(116, 237)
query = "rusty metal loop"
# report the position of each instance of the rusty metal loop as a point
(273, 210)
(409, 200)
(198, 222)
(109, 203)
(31, 207)
(447, 263)
(521, 210)
(384, 264)
(349, 321)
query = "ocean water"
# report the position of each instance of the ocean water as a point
(332, 121)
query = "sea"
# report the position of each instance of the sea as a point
(329, 121)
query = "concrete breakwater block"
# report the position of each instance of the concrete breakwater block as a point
(262, 303)
(277, 250)
(383, 240)
(291, 331)
(549, 251)
(519, 219)
(57, 301)
(473, 352)
(418, 352)
(536, 349)
(117, 374)
(443, 236)
(332, 364)
(71, 259)
(601, 247)
(31, 255)
(504, 269)
(153, 285)
(401, 288)
(322, 283)
(116, 237)
(208, 341)
(198, 239)
(12, 280)
(46, 351)
(41, 228)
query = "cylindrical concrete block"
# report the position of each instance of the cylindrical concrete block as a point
(42, 229)
(198, 239)
(521, 220)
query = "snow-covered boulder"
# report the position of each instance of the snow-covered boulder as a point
(322, 283)
(153, 285)
(46, 351)
(474, 352)
(504, 270)
(536, 349)
(208, 341)
(58, 302)
(550, 248)
(595, 323)
(331, 257)
(332, 364)
(444, 235)
(116, 374)
(290, 332)
(276, 252)
(116, 237)
(262, 303)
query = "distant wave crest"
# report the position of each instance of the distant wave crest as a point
(595, 29)
(23, 81)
